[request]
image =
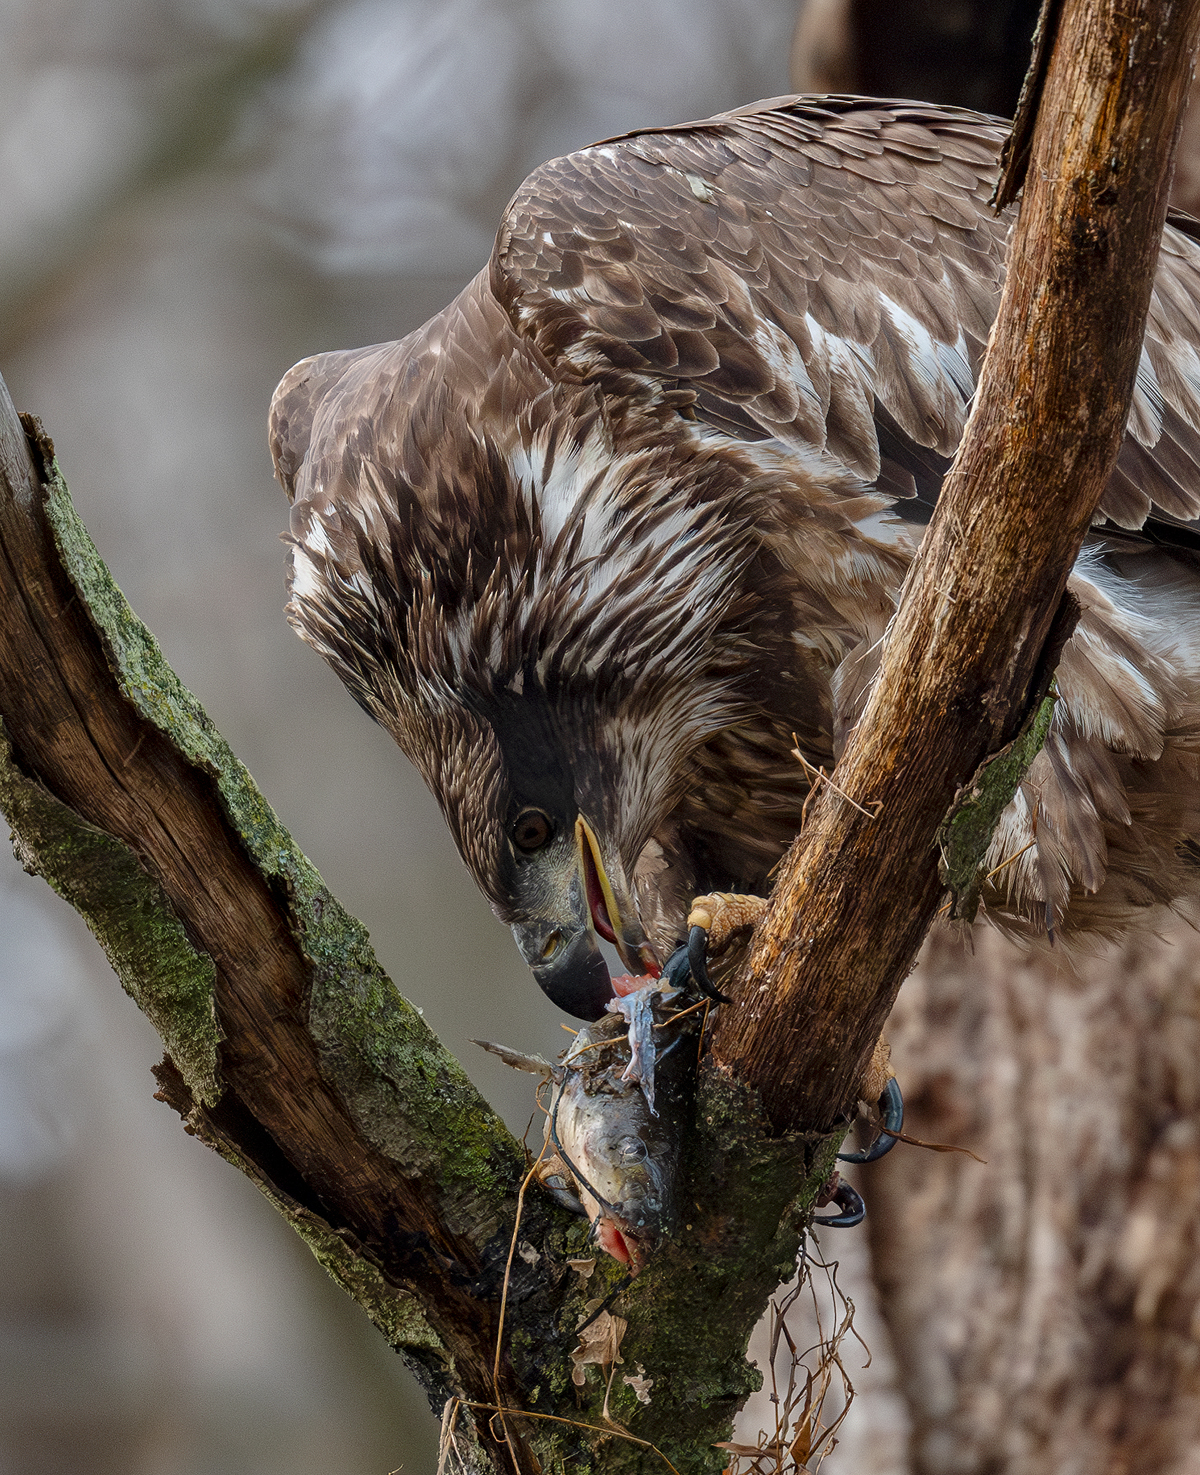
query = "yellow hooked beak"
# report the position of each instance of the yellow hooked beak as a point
(603, 911)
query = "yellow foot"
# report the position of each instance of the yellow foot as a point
(714, 922)
(878, 1072)
(723, 915)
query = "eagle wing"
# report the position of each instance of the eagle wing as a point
(819, 276)
(823, 274)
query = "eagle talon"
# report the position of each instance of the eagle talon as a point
(697, 956)
(677, 969)
(891, 1109)
(854, 1211)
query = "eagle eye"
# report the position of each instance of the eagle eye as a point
(531, 830)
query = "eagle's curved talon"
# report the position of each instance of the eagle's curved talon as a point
(697, 955)
(555, 1177)
(854, 1211)
(891, 1109)
(677, 969)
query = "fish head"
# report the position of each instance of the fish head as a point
(623, 1154)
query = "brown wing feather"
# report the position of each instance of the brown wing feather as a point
(803, 264)
(818, 257)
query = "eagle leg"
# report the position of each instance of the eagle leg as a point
(891, 1111)
(854, 1211)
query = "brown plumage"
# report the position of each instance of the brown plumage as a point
(595, 541)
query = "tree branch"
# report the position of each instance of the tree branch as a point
(965, 656)
(289, 1049)
(292, 1054)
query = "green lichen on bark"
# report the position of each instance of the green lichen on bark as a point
(967, 833)
(408, 1095)
(692, 1310)
(397, 1314)
(146, 680)
(171, 982)
(753, 1196)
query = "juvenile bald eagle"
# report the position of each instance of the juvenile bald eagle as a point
(599, 538)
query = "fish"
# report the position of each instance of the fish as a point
(617, 1115)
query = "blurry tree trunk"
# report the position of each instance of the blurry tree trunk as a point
(1045, 1309)
(971, 53)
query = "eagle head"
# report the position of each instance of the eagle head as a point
(543, 609)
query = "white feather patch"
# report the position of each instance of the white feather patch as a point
(306, 579)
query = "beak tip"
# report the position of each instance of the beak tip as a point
(577, 980)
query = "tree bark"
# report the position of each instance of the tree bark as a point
(1044, 1305)
(966, 657)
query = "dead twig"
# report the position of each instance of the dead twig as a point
(610, 1433)
(819, 777)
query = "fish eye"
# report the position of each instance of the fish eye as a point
(531, 830)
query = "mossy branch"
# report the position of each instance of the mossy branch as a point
(292, 1054)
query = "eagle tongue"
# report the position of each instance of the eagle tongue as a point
(595, 896)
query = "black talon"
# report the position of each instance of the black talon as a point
(697, 953)
(854, 1210)
(678, 969)
(891, 1107)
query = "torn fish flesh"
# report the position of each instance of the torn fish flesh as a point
(621, 1096)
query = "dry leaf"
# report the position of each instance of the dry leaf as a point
(599, 1343)
(584, 1267)
(801, 1447)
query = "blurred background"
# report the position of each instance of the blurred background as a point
(193, 195)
